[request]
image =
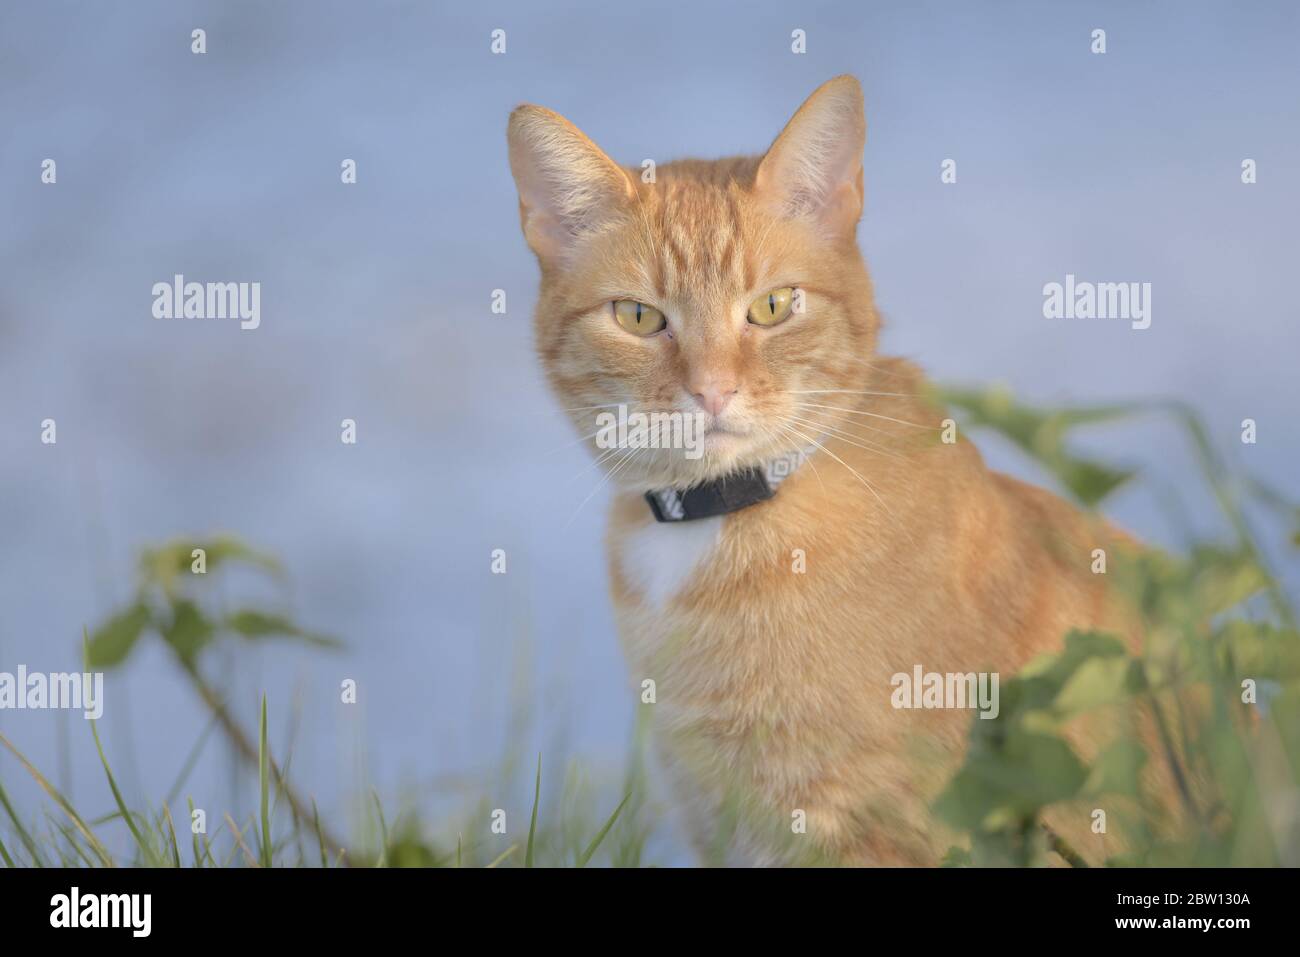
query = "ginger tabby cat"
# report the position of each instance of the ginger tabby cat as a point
(773, 682)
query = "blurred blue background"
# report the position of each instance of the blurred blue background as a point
(376, 306)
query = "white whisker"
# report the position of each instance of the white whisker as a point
(874, 415)
(845, 436)
(867, 484)
(876, 367)
(904, 395)
(842, 416)
(599, 485)
(569, 445)
(588, 408)
(799, 446)
(595, 463)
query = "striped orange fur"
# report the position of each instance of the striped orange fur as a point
(772, 683)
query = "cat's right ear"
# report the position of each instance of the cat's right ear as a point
(814, 168)
(567, 186)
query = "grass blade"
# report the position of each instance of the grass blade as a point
(194, 836)
(190, 761)
(238, 836)
(4, 853)
(100, 850)
(264, 784)
(383, 831)
(70, 836)
(145, 849)
(22, 831)
(320, 838)
(532, 826)
(600, 835)
(503, 855)
(171, 831)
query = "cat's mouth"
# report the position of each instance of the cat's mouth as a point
(719, 436)
(718, 428)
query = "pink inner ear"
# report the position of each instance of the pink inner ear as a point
(843, 208)
(564, 190)
(836, 212)
(814, 169)
(545, 233)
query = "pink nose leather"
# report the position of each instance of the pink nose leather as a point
(714, 398)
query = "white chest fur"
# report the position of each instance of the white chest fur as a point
(661, 558)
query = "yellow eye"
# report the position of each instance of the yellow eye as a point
(773, 308)
(638, 318)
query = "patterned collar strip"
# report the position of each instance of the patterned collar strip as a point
(728, 494)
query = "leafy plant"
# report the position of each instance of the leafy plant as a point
(174, 603)
(172, 578)
(1209, 703)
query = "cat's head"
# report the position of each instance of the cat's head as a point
(729, 291)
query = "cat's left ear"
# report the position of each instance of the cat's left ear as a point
(814, 168)
(568, 187)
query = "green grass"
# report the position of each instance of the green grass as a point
(1216, 617)
(153, 840)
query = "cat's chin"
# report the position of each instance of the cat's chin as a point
(722, 442)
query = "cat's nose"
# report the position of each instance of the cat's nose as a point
(713, 396)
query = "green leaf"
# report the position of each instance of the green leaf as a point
(1089, 482)
(1041, 435)
(1096, 682)
(223, 549)
(165, 564)
(177, 556)
(1040, 683)
(1258, 650)
(188, 630)
(1174, 590)
(1223, 579)
(956, 857)
(1116, 770)
(113, 640)
(253, 624)
(994, 788)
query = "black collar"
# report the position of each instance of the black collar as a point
(725, 495)
(730, 493)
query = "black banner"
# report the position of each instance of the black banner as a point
(929, 906)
